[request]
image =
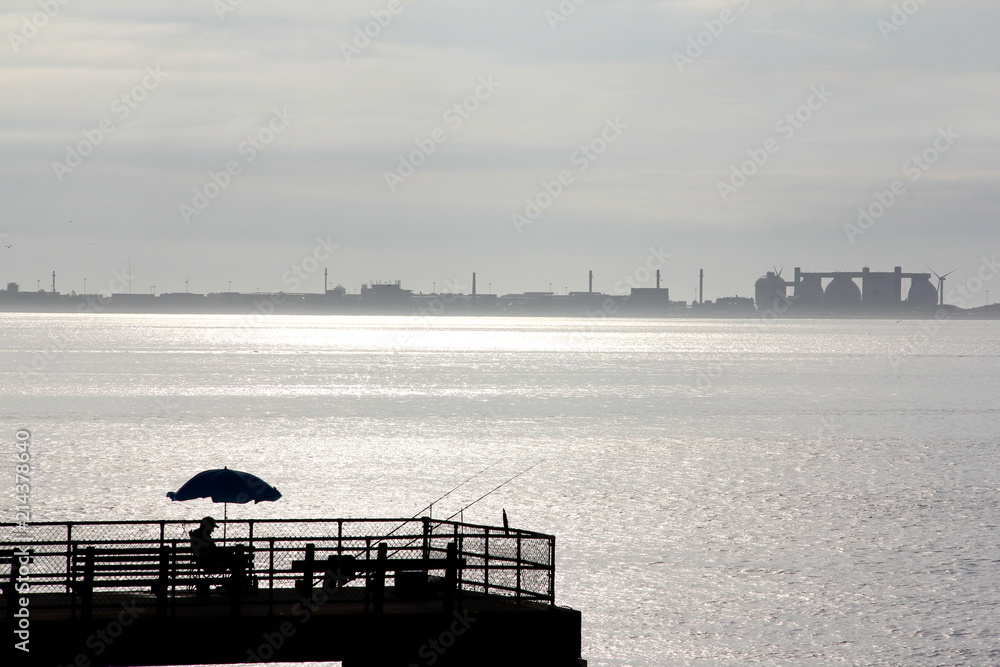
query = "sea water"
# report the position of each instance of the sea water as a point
(722, 491)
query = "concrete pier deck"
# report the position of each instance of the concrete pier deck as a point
(106, 594)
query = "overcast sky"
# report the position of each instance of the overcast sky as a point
(732, 135)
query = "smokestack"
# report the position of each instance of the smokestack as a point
(473, 284)
(326, 282)
(701, 285)
(657, 279)
(590, 283)
(53, 282)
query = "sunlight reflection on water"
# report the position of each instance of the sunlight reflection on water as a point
(720, 490)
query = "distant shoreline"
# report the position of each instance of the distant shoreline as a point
(582, 305)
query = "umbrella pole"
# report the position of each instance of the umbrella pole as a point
(225, 519)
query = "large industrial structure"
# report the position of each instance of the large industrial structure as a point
(879, 291)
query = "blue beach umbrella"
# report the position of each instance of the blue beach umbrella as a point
(226, 486)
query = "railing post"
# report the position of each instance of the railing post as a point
(340, 537)
(379, 584)
(174, 558)
(517, 591)
(552, 570)
(450, 577)
(460, 578)
(486, 563)
(270, 578)
(427, 536)
(87, 591)
(71, 550)
(69, 541)
(368, 572)
(163, 580)
(238, 581)
(306, 583)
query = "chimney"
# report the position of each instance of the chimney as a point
(326, 282)
(53, 282)
(473, 284)
(590, 283)
(657, 279)
(701, 285)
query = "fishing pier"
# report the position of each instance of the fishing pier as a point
(363, 592)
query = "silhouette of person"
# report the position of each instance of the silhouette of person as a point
(214, 559)
(207, 554)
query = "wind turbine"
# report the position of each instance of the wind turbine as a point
(940, 284)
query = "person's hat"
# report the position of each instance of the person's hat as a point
(209, 522)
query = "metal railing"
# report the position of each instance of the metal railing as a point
(153, 559)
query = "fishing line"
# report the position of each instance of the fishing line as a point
(433, 502)
(494, 489)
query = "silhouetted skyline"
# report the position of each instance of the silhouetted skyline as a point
(216, 142)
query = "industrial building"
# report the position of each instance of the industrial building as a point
(375, 298)
(878, 292)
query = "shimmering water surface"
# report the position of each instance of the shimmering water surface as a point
(723, 492)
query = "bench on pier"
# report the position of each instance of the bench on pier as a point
(157, 569)
(411, 574)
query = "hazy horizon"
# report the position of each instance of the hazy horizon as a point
(212, 141)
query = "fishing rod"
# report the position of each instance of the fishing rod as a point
(433, 502)
(495, 488)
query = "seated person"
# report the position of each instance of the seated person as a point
(212, 558)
